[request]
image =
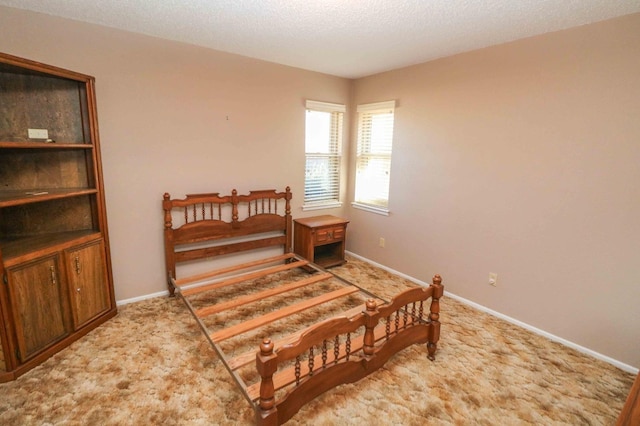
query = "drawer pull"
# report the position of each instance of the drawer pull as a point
(53, 275)
(77, 259)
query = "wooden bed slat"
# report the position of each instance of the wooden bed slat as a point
(250, 356)
(244, 277)
(233, 268)
(209, 310)
(279, 314)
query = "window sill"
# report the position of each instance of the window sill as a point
(373, 209)
(330, 205)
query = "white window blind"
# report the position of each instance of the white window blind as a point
(323, 145)
(373, 162)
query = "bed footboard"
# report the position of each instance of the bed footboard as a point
(343, 350)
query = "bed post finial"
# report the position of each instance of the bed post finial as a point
(234, 206)
(167, 210)
(288, 246)
(287, 204)
(434, 316)
(267, 364)
(370, 325)
(169, 255)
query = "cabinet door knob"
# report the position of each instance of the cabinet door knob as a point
(78, 289)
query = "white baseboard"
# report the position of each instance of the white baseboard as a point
(141, 298)
(587, 351)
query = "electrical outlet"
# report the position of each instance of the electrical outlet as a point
(381, 242)
(493, 279)
(38, 133)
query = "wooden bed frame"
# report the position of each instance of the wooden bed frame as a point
(293, 368)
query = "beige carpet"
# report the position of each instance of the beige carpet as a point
(151, 365)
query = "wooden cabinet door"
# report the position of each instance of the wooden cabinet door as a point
(37, 305)
(88, 286)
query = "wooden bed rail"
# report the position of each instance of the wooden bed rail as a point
(327, 354)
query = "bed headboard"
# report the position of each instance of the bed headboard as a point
(202, 226)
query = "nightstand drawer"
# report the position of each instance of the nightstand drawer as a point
(328, 235)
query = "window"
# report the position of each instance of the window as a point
(373, 161)
(323, 145)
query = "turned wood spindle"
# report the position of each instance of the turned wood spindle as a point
(324, 353)
(387, 327)
(311, 361)
(297, 370)
(347, 346)
(405, 316)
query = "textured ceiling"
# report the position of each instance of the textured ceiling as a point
(347, 38)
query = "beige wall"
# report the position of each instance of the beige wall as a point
(520, 159)
(163, 109)
(523, 160)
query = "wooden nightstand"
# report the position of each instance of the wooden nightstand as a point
(320, 239)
